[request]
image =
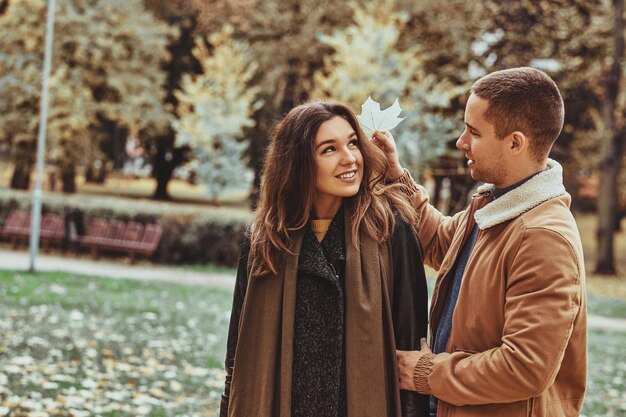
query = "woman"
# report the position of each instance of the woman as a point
(330, 282)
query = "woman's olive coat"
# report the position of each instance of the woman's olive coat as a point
(318, 369)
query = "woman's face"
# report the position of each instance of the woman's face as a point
(339, 165)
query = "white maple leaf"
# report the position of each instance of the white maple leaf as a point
(372, 118)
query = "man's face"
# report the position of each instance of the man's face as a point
(484, 151)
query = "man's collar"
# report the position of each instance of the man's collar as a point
(499, 192)
(539, 188)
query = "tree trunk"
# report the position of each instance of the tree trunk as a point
(436, 200)
(258, 139)
(118, 139)
(162, 175)
(165, 157)
(255, 193)
(4, 5)
(20, 180)
(165, 160)
(291, 96)
(68, 179)
(613, 154)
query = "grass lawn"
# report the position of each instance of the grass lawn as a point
(606, 390)
(103, 347)
(83, 346)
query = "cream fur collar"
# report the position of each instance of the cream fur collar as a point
(540, 188)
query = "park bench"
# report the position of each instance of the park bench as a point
(132, 238)
(17, 227)
(52, 230)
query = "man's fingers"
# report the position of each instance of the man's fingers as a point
(424, 345)
(381, 135)
(384, 141)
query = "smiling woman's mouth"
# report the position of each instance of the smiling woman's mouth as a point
(347, 175)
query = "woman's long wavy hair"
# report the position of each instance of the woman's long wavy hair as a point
(288, 189)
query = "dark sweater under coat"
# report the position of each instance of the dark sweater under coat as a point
(319, 372)
(319, 376)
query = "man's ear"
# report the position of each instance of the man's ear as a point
(518, 142)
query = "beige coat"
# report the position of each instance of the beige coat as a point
(518, 345)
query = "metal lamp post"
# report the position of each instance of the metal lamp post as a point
(41, 140)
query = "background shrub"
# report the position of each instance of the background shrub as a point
(192, 234)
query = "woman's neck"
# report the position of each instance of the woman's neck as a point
(325, 207)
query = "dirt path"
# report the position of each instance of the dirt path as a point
(19, 260)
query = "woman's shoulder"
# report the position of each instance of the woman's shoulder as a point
(403, 232)
(246, 242)
(399, 201)
(401, 224)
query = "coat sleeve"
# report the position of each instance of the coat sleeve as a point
(241, 284)
(410, 304)
(542, 303)
(434, 230)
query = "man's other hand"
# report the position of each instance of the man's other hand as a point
(407, 359)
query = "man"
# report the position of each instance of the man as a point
(508, 315)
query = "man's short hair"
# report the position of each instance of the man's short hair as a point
(525, 100)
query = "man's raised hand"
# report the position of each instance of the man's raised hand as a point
(384, 140)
